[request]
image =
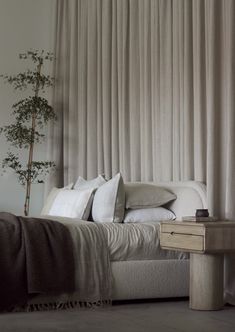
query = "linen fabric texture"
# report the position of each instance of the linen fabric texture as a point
(160, 76)
(148, 215)
(91, 277)
(72, 204)
(142, 195)
(88, 184)
(137, 241)
(109, 201)
(51, 197)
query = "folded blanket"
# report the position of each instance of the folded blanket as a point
(36, 256)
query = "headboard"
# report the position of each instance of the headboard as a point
(191, 195)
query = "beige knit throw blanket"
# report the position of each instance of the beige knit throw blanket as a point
(92, 269)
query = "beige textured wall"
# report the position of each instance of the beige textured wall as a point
(24, 24)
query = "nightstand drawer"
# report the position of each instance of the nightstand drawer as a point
(176, 241)
(207, 237)
(183, 229)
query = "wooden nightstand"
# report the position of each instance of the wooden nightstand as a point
(207, 242)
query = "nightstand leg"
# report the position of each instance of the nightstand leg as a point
(206, 281)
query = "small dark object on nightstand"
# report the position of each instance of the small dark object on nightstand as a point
(202, 213)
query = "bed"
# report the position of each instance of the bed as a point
(132, 268)
(134, 279)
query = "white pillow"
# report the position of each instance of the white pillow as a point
(144, 195)
(72, 204)
(88, 184)
(51, 197)
(109, 201)
(148, 215)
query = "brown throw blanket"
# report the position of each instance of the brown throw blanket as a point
(36, 257)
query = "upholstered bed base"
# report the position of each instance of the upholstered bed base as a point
(150, 279)
(133, 280)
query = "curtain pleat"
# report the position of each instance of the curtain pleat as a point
(199, 89)
(147, 88)
(230, 108)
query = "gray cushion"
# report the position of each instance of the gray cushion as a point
(142, 195)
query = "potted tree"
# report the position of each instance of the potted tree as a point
(31, 114)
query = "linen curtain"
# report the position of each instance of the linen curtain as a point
(147, 87)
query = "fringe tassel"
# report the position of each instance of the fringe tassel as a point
(69, 305)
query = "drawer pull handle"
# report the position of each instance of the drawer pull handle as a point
(172, 233)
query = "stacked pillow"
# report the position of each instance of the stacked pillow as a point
(148, 215)
(144, 195)
(108, 201)
(51, 197)
(144, 203)
(94, 183)
(73, 203)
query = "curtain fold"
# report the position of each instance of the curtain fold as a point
(147, 88)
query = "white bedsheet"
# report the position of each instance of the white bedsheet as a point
(135, 241)
(131, 241)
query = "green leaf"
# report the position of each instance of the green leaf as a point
(30, 115)
(38, 106)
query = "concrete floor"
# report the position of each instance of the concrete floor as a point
(139, 317)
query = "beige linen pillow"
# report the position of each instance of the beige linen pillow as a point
(72, 204)
(88, 184)
(51, 197)
(109, 201)
(144, 195)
